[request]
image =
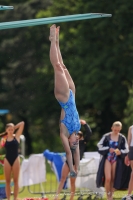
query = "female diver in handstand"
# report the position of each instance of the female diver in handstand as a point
(11, 162)
(65, 94)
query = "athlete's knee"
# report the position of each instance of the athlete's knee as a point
(108, 179)
(57, 66)
(8, 181)
(15, 181)
(63, 178)
(112, 180)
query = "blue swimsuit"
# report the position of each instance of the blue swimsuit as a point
(112, 157)
(71, 119)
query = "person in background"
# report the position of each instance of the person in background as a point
(129, 161)
(83, 140)
(113, 147)
(10, 141)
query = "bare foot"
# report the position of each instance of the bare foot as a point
(57, 33)
(109, 196)
(52, 36)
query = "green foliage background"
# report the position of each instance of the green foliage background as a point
(97, 52)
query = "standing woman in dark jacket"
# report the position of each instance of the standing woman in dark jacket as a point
(10, 142)
(113, 147)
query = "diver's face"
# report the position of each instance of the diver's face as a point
(73, 141)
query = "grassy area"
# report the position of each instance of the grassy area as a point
(26, 194)
(49, 188)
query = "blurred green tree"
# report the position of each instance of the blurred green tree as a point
(99, 55)
(97, 52)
